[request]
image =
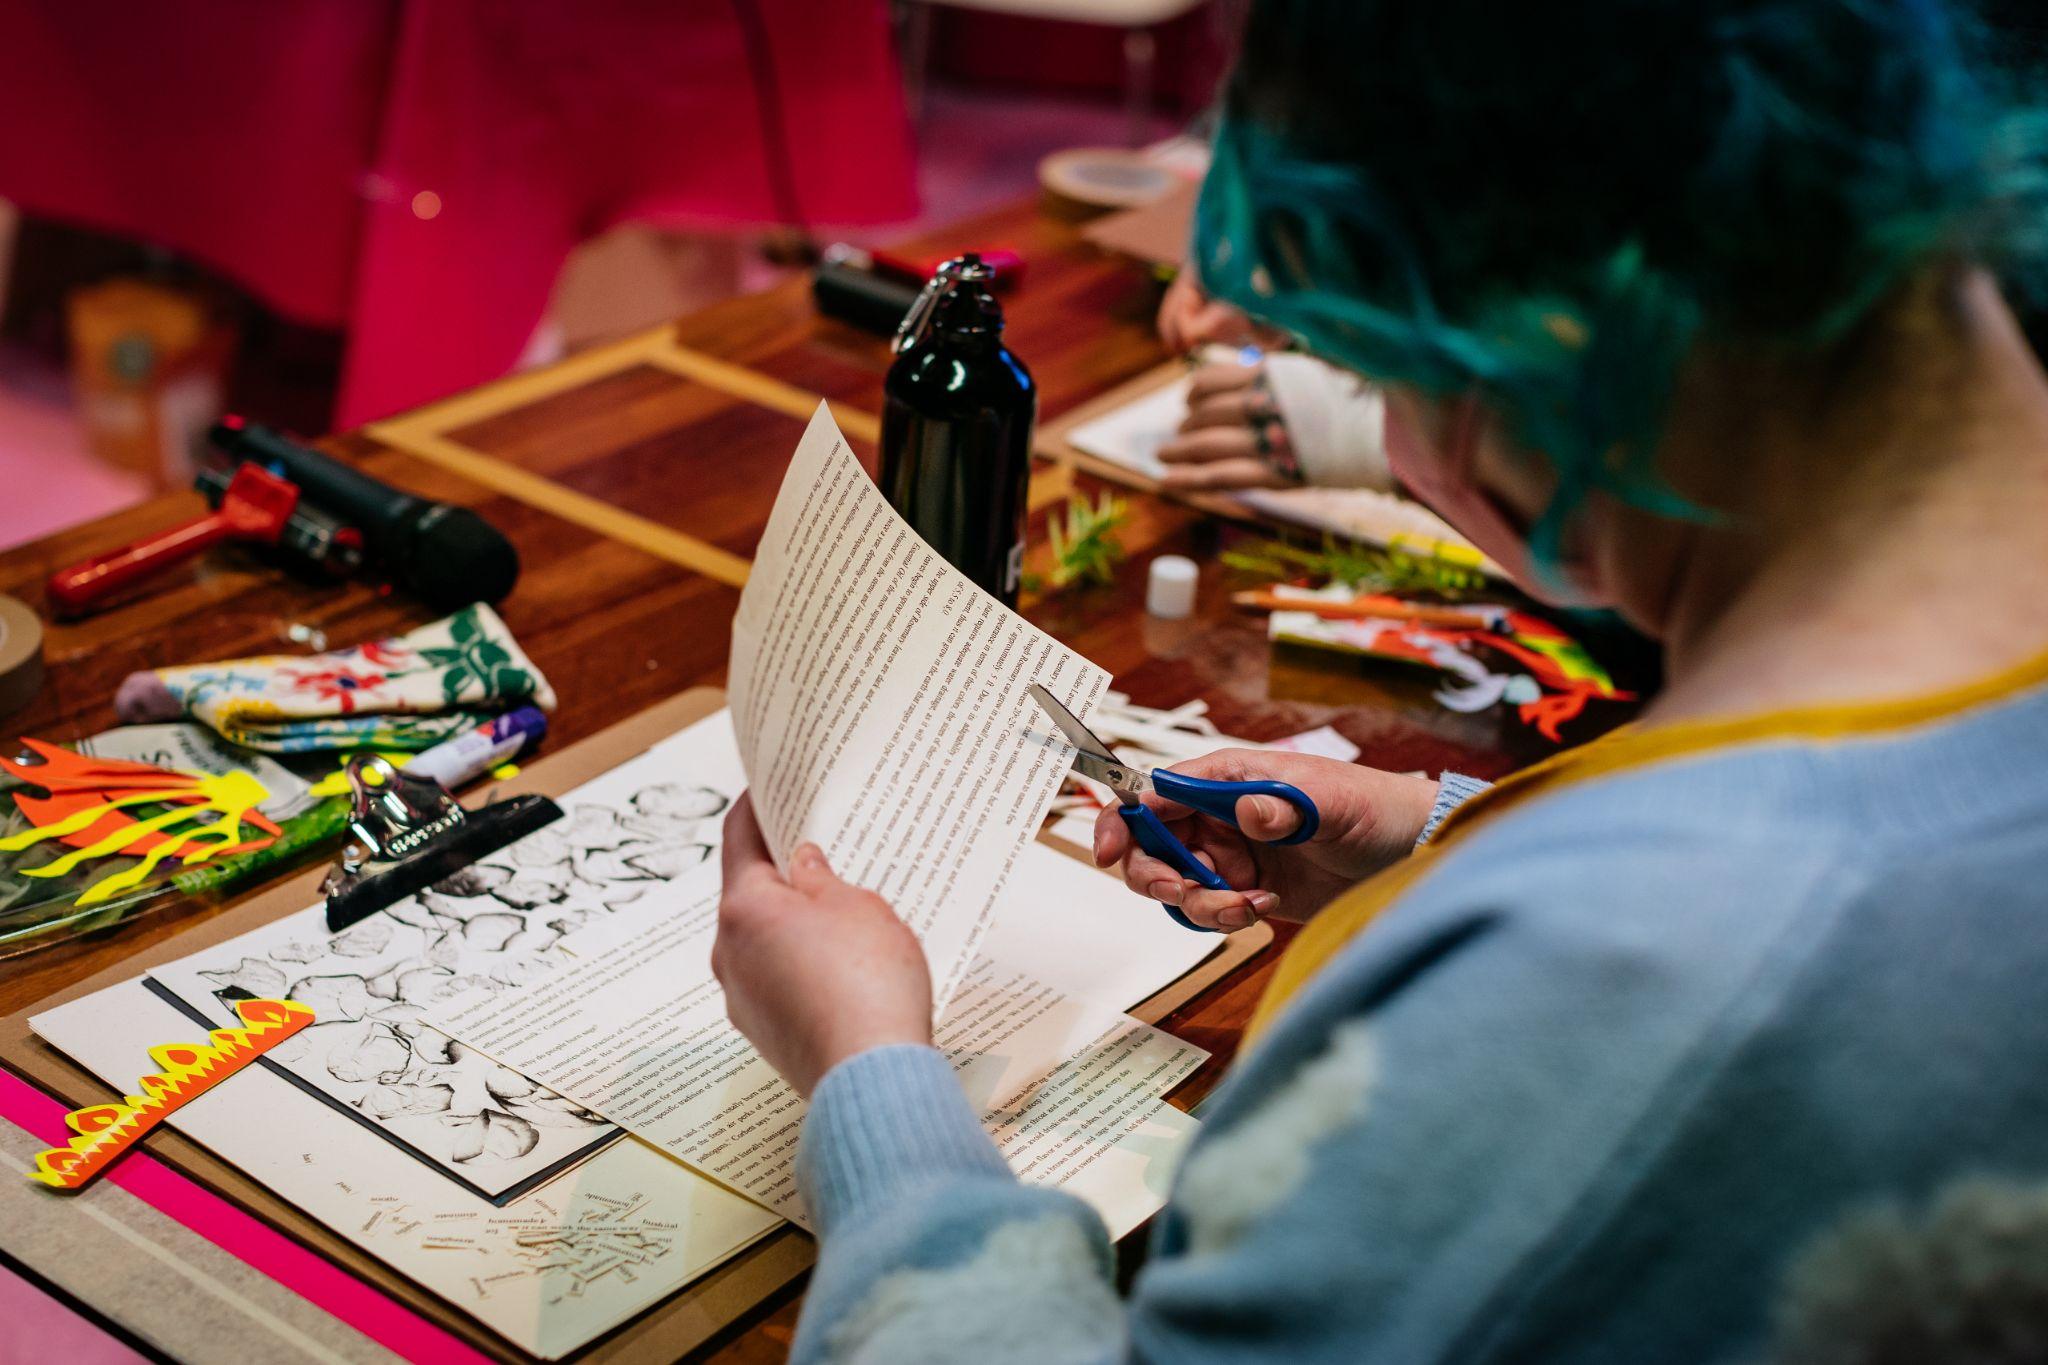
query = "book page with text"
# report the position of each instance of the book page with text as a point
(879, 701)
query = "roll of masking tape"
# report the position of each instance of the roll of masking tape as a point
(1105, 177)
(21, 656)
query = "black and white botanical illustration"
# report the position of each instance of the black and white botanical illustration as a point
(498, 923)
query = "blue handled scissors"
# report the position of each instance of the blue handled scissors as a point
(1093, 758)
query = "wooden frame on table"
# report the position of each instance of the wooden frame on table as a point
(424, 434)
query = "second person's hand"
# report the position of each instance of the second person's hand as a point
(1370, 819)
(1232, 437)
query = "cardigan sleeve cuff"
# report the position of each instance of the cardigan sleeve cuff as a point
(882, 1122)
(1453, 790)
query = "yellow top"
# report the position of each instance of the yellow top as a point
(1325, 935)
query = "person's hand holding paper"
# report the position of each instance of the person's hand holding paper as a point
(814, 970)
(879, 701)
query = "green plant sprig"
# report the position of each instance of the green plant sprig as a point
(1367, 568)
(1086, 549)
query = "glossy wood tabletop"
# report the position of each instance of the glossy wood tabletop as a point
(612, 473)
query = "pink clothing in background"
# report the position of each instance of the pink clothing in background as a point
(416, 171)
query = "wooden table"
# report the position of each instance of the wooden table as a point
(636, 479)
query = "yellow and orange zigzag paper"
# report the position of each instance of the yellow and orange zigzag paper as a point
(189, 1069)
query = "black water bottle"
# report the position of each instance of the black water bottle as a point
(956, 429)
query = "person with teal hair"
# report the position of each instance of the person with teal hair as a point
(1717, 1039)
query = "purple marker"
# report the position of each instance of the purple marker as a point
(473, 753)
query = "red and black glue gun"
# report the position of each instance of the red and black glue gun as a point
(252, 505)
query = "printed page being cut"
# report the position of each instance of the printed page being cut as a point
(879, 700)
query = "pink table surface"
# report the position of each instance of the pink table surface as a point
(35, 1327)
(54, 1330)
(417, 170)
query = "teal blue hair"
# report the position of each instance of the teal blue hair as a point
(1554, 204)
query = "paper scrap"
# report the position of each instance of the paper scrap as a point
(1325, 741)
(1146, 736)
(879, 702)
(185, 1071)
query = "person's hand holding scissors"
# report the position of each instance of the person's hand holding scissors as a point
(1369, 820)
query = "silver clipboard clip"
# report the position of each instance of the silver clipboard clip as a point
(409, 833)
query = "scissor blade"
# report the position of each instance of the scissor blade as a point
(1095, 758)
(1128, 783)
(1079, 735)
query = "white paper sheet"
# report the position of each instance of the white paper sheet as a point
(1085, 932)
(548, 1272)
(1325, 741)
(1132, 434)
(879, 702)
(635, 1029)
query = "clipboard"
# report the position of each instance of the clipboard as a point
(671, 1328)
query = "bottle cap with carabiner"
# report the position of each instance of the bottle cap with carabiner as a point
(958, 297)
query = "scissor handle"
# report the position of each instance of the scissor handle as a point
(1219, 799)
(1155, 838)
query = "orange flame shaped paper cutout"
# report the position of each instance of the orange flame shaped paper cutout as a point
(85, 811)
(189, 1069)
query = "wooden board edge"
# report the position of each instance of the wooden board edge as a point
(569, 504)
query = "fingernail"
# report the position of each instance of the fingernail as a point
(809, 853)
(1162, 889)
(1233, 917)
(1261, 902)
(1101, 838)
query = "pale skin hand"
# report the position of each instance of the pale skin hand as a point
(1189, 319)
(815, 970)
(1217, 449)
(1370, 819)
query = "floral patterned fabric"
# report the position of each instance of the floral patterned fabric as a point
(407, 692)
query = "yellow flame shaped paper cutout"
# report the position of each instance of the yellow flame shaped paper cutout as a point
(184, 831)
(188, 1069)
